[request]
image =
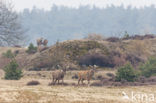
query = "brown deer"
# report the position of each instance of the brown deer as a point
(39, 41)
(86, 75)
(41, 44)
(58, 75)
(45, 42)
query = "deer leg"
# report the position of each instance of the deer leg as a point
(82, 81)
(79, 81)
(88, 82)
(62, 81)
(58, 81)
(55, 81)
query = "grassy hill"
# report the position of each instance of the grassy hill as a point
(78, 53)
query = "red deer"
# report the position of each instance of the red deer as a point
(45, 42)
(39, 41)
(58, 75)
(41, 44)
(86, 75)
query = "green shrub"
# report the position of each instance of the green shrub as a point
(126, 72)
(9, 54)
(126, 35)
(12, 72)
(149, 68)
(31, 49)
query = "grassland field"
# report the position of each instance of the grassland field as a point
(16, 91)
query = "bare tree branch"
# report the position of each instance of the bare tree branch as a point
(11, 32)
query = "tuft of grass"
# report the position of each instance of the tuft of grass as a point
(27, 96)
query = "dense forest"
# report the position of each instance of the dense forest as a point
(64, 23)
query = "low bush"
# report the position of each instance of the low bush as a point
(9, 54)
(99, 77)
(113, 39)
(96, 59)
(149, 36)
(118, 58)
(110, 75)
(126, 72)
(149, 68)
(151, 79)
(142, 37)
(12, 72)
(134, 59)
(98, 84)
(138, 37)
(33, 82)
(126, 35)
(94, 37)
(31, 49)
(142, 79)
(16, 52)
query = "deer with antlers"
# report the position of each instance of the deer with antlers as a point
(86, 75)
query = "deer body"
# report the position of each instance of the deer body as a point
(41, 44)
(39, 41)
(85, 75)
(45, 42)
(58, 75)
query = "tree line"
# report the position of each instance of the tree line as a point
(63, 23)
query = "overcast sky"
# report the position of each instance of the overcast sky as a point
(19, 5)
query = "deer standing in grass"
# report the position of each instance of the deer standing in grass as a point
(58, 75)
(86, 75)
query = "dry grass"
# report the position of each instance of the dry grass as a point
(18, 92)
(139, 47)
(13, 91)
(69, 74)
(4, 49)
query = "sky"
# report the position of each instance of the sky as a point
(19, 5)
